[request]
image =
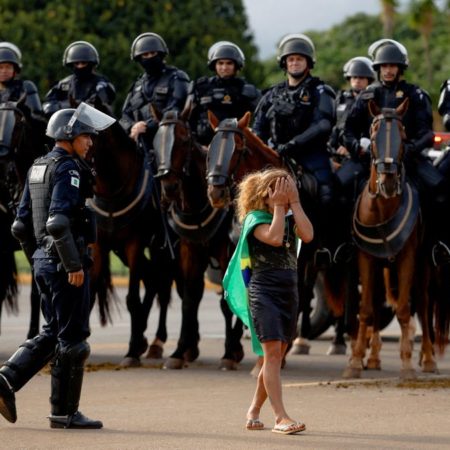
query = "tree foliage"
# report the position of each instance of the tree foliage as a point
(43, 29)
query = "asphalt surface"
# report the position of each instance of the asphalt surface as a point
(201, 407)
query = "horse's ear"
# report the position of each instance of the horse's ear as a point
(374, 110)
(155, 112)
(403, 107)
(244, 121)
(185, 114)
(213, 120)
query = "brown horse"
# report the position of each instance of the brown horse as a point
(202, 232)
(126, 202)
(387, 232)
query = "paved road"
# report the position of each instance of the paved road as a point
(203, 408)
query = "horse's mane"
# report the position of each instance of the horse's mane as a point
(256, 142)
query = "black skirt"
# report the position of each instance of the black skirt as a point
(273, 300)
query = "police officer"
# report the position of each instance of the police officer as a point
(225, 94)
(12, 88)
(444, 104)
(296, 117)
(164, 86)
(54, 228)
(390, 60)
(84, 84)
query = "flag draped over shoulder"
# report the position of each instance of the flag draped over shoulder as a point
(237, 276)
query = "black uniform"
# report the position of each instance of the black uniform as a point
(444, 104)
(54, 228)
(225, 97)
(14, 89)
(167, 91)
(343, 104)
(87, 87)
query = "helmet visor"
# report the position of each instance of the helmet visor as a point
(91, 117)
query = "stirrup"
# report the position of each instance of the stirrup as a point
(322, 258)
(344, 253)
(440, 254)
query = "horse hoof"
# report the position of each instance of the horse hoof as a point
(408, 374)
(351, 372)
(373, 364)
(238, 355)
(142, 347)
(337, 349)
(227, 364)
(429, 367)
(130, 361)
(191, 354)
(173, 364)
(154, 352)
(300, 349)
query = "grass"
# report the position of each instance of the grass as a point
(117, 268)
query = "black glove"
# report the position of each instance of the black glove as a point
(409, 148)
(284, 149)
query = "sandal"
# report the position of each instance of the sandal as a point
(289, 428)
(254, 425)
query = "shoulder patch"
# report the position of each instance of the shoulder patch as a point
(367, 95)
(74, 181)
(37, 174)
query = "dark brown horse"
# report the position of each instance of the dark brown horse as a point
(22, 140)
(202, 232)
(387, 231)
(129, 220)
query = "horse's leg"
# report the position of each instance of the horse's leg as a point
(35, 300)
(366, 271)
(338, 345)
(378, 297)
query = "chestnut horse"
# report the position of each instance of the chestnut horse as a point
(202, 232)
(387, 232)
(22, 140)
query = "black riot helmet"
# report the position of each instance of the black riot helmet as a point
(359, 67)
(298, 44)
(10, 53)
(148, 42)
(388, 51)
(80, 51)
(225, 50)
(67, 124)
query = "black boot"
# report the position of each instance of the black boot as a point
(67, 379)
(29, 359)
(7, 400)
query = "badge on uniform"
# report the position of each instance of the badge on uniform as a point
(399, 94)
(226, 99)
(37, 174)
(74, 181)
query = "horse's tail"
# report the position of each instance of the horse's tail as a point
(103, 290)
(8, 283)
(442, 307)
(335, 283)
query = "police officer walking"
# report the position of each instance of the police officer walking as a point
(444, 104)
(84, 84)
(226, 94)
(12, 88)
(390, 60)
(164, 86)
(296, 117)
(54, 228)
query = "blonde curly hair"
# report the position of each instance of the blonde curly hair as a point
(253, 190)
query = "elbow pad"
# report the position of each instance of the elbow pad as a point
(58, 226)
(20, 232)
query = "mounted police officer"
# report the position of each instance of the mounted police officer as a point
(13, 88)
(164, 86)
(296, 117)
(54, 228)
(226, 94)
(390, 60)
(84, 84)
(444, 104)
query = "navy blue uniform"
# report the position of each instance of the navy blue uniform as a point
(14, 90)
(88, 88)
(225, 97)
(167, 91)
(65, 307)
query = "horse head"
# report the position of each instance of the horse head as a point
(173, 150)
(225, 153)
(387, 137)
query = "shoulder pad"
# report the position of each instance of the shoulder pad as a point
(367, 94)
(182, 75)
(66, 79)
(422, 93)
(201, 80)
(445, 84)
(327, 89)
(29, 87)
(250, 91)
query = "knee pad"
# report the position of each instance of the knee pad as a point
(75, 354)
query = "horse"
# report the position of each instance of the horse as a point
(126, 203)
(22, 140)
(202, 231)
(387, 230)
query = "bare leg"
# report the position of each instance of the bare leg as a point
(259, 397)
